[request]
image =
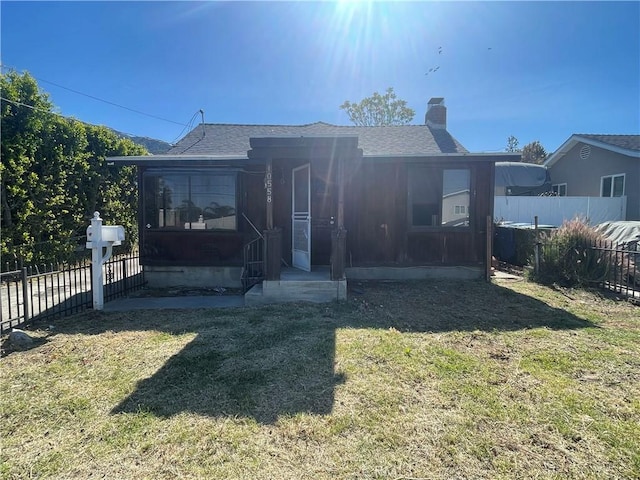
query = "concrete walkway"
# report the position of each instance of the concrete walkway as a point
(182, 302)
(500, 275)
(206, 301)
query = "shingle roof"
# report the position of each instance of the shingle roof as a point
(628, 145)
(229, 139)
(628, 142)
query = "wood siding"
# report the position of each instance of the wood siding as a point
(182, 247)
(191, 248)
(376, 219)
(379, 231)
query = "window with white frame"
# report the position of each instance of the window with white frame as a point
(460, 210)
(612, 185)
(559, 189)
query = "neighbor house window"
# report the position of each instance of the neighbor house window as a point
(439, 197)
(459, 210)
(560, 189)
(612, 186)
(193, 200)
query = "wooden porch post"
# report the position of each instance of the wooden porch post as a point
(489, 250)
(268, 185)
(339, 234)
(340, 192)
(272, 236)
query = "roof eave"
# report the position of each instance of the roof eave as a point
(160, 160)
(466, 156)
(575, 139)
(164, 159)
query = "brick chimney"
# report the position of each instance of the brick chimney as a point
(436, 116)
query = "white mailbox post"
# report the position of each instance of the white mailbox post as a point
(99, 237)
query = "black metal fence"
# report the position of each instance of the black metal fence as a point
(603, 264)
(40, 255)
(41, 292)
(623, 275)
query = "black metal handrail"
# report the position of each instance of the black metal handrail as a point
(253, 259)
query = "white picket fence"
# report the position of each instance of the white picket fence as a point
(555, 210)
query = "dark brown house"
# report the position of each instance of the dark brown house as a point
(264, 203)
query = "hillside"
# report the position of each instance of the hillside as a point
(153, 146)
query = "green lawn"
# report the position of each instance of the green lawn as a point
(404, 381)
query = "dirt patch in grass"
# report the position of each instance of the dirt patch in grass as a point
(404, 380)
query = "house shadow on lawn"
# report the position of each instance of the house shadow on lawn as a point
(263, 363)
(251, 363)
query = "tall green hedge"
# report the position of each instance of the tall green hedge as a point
(54, 176)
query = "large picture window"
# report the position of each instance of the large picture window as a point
(439, 197)
(192, 200)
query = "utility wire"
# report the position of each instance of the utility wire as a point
(20, 104)
(100, 99)
(204, 133)
(111, 103)
(187, 126)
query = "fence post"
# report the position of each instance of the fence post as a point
(25, 295)
(489, 250)
(536, 249)
(125, 277)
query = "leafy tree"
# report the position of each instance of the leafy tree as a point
(534, 152)
(512, 144)
(378, 110)
(54, 175)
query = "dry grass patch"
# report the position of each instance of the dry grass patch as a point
(421, 380)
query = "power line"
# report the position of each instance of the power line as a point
(20, 104)
(101, 100)
(188, 125)
(201, 112)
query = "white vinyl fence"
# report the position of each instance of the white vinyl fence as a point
(555, 210)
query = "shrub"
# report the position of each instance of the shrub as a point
(568, 257)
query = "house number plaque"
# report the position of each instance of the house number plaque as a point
(268, 183)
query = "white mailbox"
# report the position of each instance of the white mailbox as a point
(101, 237)
(113, 234)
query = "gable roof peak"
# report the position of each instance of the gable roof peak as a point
(624, 141)
(625, 144)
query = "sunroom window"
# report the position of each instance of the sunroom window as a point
(189, 200)
(439, 197)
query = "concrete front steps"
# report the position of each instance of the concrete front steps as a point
(298, 286)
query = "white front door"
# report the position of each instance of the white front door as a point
(301, 217)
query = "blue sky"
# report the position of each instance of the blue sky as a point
(539, 70)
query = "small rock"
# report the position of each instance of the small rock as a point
(20, 339)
